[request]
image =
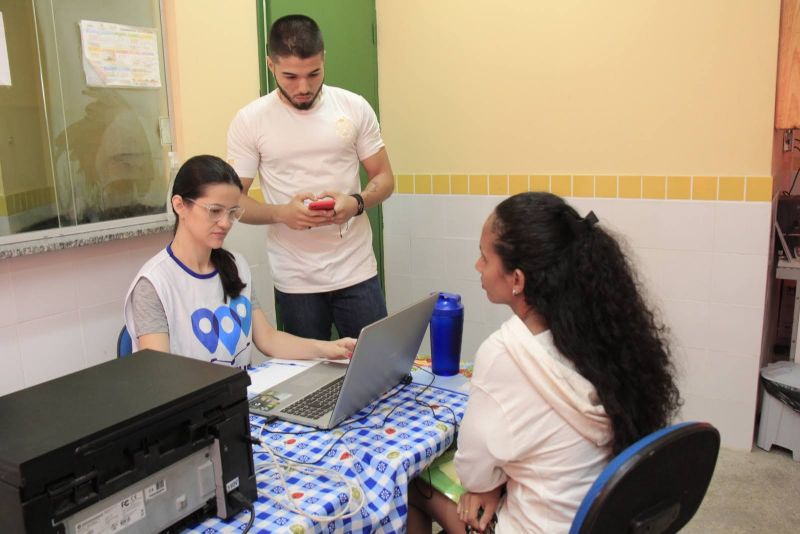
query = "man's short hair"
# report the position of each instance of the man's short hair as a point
(295, 35)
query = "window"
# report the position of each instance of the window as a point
(85, 131)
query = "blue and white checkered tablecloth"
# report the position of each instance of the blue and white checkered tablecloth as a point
(383, 451)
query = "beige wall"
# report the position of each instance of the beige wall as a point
(213, 55)
(577, 86)
(656, 115)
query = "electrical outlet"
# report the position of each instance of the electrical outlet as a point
(787, 140)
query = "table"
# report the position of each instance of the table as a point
(396, 439)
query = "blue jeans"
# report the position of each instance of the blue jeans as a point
(349, 309)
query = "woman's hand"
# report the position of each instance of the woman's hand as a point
(338, 349)
(471, 503)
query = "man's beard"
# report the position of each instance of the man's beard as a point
(303, 105)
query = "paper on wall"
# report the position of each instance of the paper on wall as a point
(115, 55)
(5, 71)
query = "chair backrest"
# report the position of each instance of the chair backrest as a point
(124, 343)
(654, 486)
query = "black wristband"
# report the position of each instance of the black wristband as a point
(360, 201)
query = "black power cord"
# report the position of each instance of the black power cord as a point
(247, 505)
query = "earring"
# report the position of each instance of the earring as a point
(514, 292)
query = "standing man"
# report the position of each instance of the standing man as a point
(306, 140)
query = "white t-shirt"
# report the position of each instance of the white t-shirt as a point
(202, 324)
(511, 434)
(314, 150)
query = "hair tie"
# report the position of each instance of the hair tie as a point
(580, 226)
(590, 220)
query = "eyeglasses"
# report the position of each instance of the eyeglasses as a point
(216, 212)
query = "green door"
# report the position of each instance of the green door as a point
(351, 61)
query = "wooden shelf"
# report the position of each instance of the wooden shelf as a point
(787, 102)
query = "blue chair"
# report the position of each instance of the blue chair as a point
(654, 486)
(124, 343)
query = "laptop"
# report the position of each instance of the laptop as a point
(326, 394)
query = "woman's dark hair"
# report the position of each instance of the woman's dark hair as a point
(578, 278)
(191, 181)
(295, 35)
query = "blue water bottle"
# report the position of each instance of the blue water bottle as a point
(447, 326)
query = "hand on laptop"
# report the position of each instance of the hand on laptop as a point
(339, 349)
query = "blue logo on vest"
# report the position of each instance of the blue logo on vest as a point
(225, 324)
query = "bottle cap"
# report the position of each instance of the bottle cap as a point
(448, 304)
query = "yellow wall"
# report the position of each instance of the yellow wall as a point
(213, 55)
(640, 87)
(629, 87)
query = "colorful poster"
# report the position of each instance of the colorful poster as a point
(115, 55)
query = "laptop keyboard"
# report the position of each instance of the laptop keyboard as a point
(318, 403)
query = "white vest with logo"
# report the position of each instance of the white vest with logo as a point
(202, 324)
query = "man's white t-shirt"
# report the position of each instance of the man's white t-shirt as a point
(314, 150)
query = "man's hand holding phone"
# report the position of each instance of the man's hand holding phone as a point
(323, 203)
(298, 214)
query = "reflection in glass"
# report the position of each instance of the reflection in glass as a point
(72, 154)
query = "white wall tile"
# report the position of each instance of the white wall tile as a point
(681, 357)
(742, 227)
(143, 249)
(262, 283)
(648, 264)
(427, 259)
(688, 322)
(47, 259)
(8, 308)
(683, 225)
(633, 223)
(51, 347)
(398, 292)
(474, 335)
(101, 325)
(735, 420)
(721, 375)
(421, 286)
(45, 290)
(152, 242)
(250, 240)
(464, 215)
(397, 215)
(396, 254)
(104, 279)
(473, 297)
(11, 375)
(428, 216)
(735, 329)
(686, 274)
(496, 314)
(739, 279)
(425, 346)
(460, 256)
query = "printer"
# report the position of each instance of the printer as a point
(143, 443)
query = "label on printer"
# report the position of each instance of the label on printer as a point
(155, 490)
(116, 517)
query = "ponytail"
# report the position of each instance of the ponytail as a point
(579, 279)
(225, 264)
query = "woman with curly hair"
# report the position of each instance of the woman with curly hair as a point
(579, 372)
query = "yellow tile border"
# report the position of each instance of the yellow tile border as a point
(664, 187)
(16, 203)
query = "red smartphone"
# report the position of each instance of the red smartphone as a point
(326, 203)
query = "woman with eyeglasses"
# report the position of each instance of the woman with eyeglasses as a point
(195, 298)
